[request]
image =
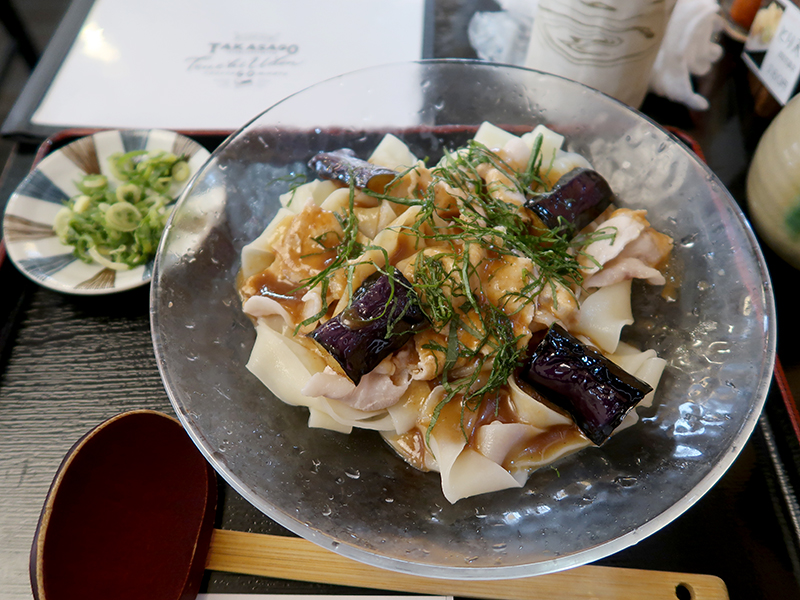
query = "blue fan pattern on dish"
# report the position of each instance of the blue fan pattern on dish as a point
(47, 266)
(38, 185)
(135, 140)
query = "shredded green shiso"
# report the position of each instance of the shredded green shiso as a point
(440, 280)
(120, 227)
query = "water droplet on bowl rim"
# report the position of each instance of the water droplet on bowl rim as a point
(626, 481)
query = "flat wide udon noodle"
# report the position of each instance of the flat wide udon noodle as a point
(497, 454)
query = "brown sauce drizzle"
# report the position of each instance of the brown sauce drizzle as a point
(496, 407)
(489, 266)
(672, 273)
(320, 258)
(407, 245)
(457, 421)
(411, 446)
(544, 444)
(287, 293)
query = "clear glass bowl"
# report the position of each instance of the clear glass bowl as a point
(351, 493)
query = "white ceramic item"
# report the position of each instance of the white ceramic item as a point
(773, 184)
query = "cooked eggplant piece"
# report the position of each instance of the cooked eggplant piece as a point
(596, 392)
(382, 316)
(345, 166)
(579, 197)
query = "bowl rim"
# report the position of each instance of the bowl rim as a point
(555, 564)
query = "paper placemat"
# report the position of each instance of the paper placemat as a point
(205, 64)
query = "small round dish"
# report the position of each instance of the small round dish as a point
(32, 244)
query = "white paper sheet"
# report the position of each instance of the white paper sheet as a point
(216, 64)
(772, 49)
(781, 67)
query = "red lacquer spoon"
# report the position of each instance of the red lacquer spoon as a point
(129, 515)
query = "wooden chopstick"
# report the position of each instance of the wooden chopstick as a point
(300, 560)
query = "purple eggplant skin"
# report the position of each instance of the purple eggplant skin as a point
(578, 197)
(596, 392)
(343, 165)
(378, 321)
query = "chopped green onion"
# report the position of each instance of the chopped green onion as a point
(181, 171)
(61, 222)
(130, 192)
(94, 182)
(123, 216)
(81, 203)
(99, 258)
(120, 228)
